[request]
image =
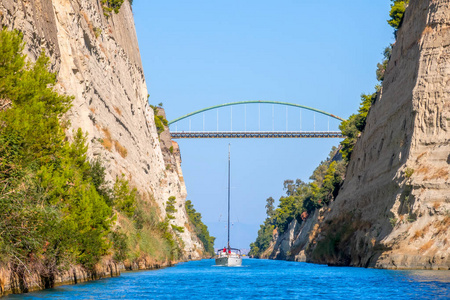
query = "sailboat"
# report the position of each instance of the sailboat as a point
(229, 256)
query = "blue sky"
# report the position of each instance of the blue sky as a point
(196, 54)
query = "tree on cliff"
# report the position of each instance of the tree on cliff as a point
(396, 13)
(269, 207)
(200, 228)
(55, 206)
(301, 199)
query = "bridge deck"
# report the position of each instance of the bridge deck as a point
(254, 134)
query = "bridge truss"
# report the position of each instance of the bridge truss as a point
(184, 134)
(255, 134)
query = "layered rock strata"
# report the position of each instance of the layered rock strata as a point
(291, 244)
(393, 210)
(11, 283)
(97, 60)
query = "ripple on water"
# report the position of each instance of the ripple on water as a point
(259, 279)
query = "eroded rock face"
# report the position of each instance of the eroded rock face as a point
(393, 209)
(291, 244)
(97, 60)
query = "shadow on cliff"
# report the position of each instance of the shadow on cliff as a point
(356, 226)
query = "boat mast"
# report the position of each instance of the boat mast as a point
(229, 179)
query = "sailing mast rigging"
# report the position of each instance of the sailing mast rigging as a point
(227, 257)
(229, 192)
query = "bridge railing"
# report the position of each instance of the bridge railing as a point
(257, 129)
(255, 134)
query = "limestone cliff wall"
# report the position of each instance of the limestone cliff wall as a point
(393, 210)
(291, 244)
(97, 60)
(74, 275)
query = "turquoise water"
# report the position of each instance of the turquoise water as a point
(259, 279)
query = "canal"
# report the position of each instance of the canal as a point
(258, 279)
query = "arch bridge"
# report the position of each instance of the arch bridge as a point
(254, 132)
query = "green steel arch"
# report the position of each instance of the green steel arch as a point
(252, 102)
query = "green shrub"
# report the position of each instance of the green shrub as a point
(177, 228)
(160, 121)
(355, 124)
(124, 197)
(97, 32)
(170, 207)
(110, 6)
(119, 243)
(409, 172)
(393, 222)
(51, 207)
(396, 13)
(201, 230)
(381, 67)
(301, 199)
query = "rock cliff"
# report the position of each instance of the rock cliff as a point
(291, 244)
(393, 210)
(97, 60)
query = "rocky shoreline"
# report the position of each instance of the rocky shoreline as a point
(17, 282)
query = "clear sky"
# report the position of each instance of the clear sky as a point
(196, 54)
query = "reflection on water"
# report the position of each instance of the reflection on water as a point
(427, 275)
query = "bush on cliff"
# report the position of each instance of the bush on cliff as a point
(200, 228)
(301, 200)
(52, 214)
(56, 207)
(396, 13)
(354, 125)
(328, 177)
(160, 121)
(143, 236)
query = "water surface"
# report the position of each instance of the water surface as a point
(259, 279)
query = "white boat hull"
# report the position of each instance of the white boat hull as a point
(229, 261)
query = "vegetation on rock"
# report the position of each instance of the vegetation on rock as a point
(51, 211)
(56, 207)
(160, 121)
(396, 13)
(110, 6)
(355, 124)
(200, 228)
(301, 200)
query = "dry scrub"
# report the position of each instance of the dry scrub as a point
(423, 170)
(88, 22)
(121, 149)
(443, 225)
(107, 141)
(440, 173)
(420, 156)
(436, 205)
(426, 246)
(418, 234)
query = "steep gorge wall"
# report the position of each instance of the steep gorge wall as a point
(393, 210)
(291, 244)
(97, 60)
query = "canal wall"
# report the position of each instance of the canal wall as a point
(12, 282)
(393, 210)
(97, 60)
